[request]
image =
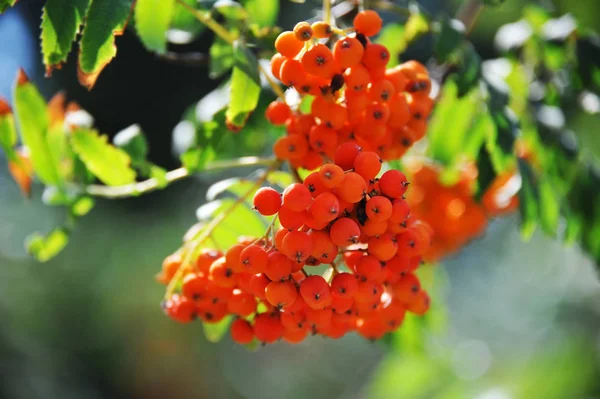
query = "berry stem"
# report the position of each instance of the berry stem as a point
(146, 186)
(192, 246)
(276, 88)
(327, 11)
(210, 23)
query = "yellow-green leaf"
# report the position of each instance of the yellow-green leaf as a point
(61, 21)
(245, 86)
(8, 133)
(109, 164)
(32, 120)
(152, 20)
(46, 247)
(104, 20)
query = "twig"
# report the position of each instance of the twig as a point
(146, 186)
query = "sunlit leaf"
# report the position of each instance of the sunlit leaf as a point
(245, 86)
(230, 9)
(263, 12)
(152, 20)
(221, 58)
(214, 332)
(82, 206)
(8, 132)
(61, 22)
(160, 174)
(46, 247)
(32, 120)
(108, 163)
(416, 25)
(105, 19)
(549, 207)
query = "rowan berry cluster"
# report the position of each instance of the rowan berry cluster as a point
(342, 216)
(356, 98)
(451, 210)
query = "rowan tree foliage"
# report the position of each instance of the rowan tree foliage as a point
(379, 163)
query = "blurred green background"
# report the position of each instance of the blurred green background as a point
(509, 320)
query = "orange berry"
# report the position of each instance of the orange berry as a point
(241, 331)
(378, 208)
(279, 267)
(303, 31)
(322, 139)
(368, 22)
(318, 61)
(325, 207)
(316, 292)
(346, 154)
(321, 30)
(281, 294)
(393, 184)
(322, 245)
(232, 257)
(383, 247)
(276, 62)
(353, 188)
(348, 52)
(382, 90)
(297, 245)
(344, 232)
(254, 258)
(331, 175)
(294, 336)
(268, 327)
(241, 303)
(368, 268)
(367, 164)
(287, 44)
(291, 219)
(278, 112)
(267, 201)
(344, 285)
(315, 184)
(376, 56)
(401, 114)
(297, 197)
(357, 78)
(258, 283)
(292, 73)
(291, 147)
(180, 309)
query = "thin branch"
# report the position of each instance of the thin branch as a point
(146, 186)
(327, 11)
(210, 23)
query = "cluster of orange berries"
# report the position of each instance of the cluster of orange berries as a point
(343, 216)
(451, 211)
(356, 98)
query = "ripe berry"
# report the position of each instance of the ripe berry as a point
(254, 258)
(241, 331)
(287, 44)
(344, 285)
(267, 327)
(297, 245)
(279, 266)
(267, 201)
(378, 208)
(303, 31)
(393, 184)
(277, 113)
(331, 175)
(353, 188)
(325, 207)
(348, 52)
(346, 154)
(318, 61)
(321, 30)
(344, 232)
(316, 292)
(368, 23)
(281, 294)
(367, 164)
(241, 303)
(297, 197)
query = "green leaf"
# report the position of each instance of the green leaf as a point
(46, 247)
(245, 86)
(8, 132)
(61, 21)
(392, 37)
(451, 35)
(104, 20)
(485, 173)
(152, 20)
(281, 178)
(192, 159)
(549, 207)
(230, 9)
(469, 70)
(160, 174)
(263, 12)
(132, 141)
(234, 185)
(4, 4)
(214, 332)
(32, 120)
(82, 206)
(106, 162)
(528, 200)
(447, 140)
(221, 58)
(500, 141)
